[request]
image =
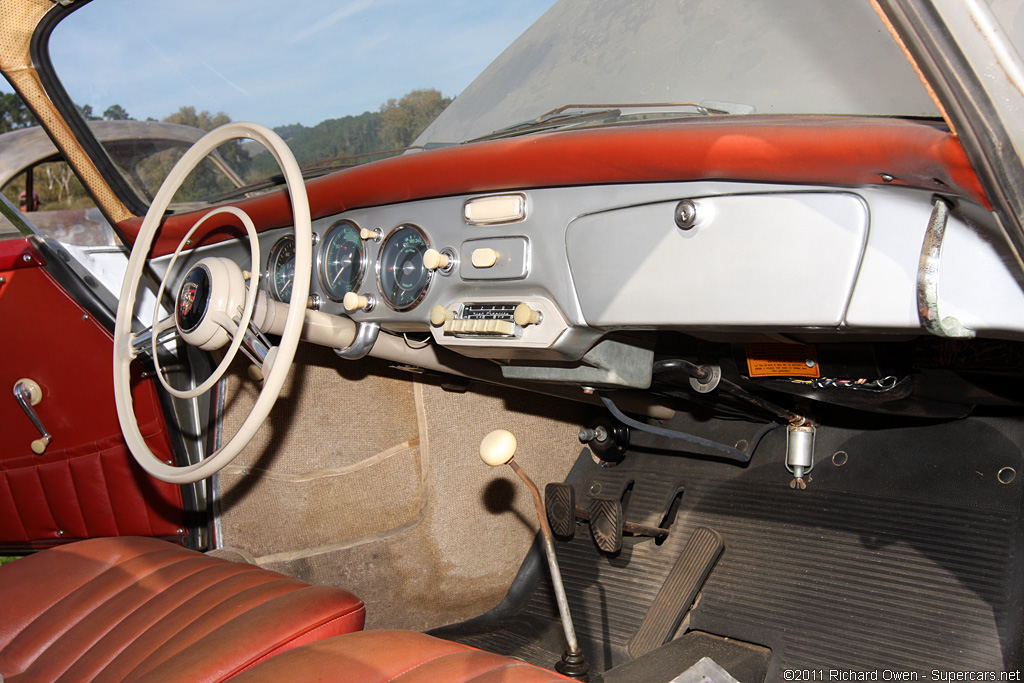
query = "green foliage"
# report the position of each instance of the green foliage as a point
(86, 111)
(403, 120)
(203, 120)
(55, 184)
(397, 124)
(116, 112)
(328, 139)
(207, 179)
(14, 114)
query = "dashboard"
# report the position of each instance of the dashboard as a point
(569, 283)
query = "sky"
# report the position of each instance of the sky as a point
(278, 62)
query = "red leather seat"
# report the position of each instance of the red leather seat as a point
(138, 609)
(399, 656)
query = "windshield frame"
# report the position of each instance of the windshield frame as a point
(39, 49)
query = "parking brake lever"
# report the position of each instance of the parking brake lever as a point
(28, 393)
(497, 449)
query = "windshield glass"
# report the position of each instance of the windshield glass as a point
(336, 80)
(716, 56)
(346, 83)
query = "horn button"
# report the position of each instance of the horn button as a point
(210, 302)
(193, 299)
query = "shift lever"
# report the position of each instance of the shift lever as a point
(497, 449)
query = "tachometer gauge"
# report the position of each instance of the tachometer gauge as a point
(281, 268)
(342, 260)
(401, 275)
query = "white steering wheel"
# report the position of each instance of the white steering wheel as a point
(213, 306)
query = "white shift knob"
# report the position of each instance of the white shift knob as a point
(498, 447)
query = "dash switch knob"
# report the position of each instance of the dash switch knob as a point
(356, 302)
(484, 258)
(435, 260)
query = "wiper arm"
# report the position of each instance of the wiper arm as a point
(557, 118)
(552, 119)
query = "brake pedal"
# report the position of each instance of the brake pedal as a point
(560, 507)
(606, 523)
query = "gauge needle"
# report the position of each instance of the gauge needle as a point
(343, 264)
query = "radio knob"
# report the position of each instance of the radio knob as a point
(524, 315)
(434, 260)
(438, 315)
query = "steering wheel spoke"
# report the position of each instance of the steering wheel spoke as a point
(213, 306)
(143, 341)
(255, 345)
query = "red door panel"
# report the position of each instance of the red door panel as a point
(85, 484)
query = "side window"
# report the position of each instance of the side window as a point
(7, 229)
(54, 200)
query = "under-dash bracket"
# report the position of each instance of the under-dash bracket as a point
(928, 279)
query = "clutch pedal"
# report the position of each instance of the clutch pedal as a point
(560, 507)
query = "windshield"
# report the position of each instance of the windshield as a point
(353, 82)
(336, 80)
(708, 57)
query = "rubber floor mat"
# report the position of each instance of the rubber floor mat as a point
(904, 553)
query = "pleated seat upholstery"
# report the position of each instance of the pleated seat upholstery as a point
(139, 609)
(394, 656)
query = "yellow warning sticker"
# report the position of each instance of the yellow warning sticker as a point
(782, 360)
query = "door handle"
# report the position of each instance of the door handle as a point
(28, 393)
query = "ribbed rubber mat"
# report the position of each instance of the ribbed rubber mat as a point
(904, 554)
(677, 594)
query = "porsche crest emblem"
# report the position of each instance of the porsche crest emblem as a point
(187, 298)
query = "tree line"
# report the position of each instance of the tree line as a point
(395, 125)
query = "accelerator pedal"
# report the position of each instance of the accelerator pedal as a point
(606, 523)
(678, 592)
(560, 507)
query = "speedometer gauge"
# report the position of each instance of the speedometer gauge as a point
(281, 268)
(342, 260)
(401, 275)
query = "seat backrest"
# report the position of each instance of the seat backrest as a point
(133, 609)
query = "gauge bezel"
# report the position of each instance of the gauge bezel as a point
(380, 259)
(275, 252)
(321, 264)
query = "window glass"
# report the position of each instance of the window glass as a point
(343, 83)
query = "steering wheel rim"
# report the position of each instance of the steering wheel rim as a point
(279, 359)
